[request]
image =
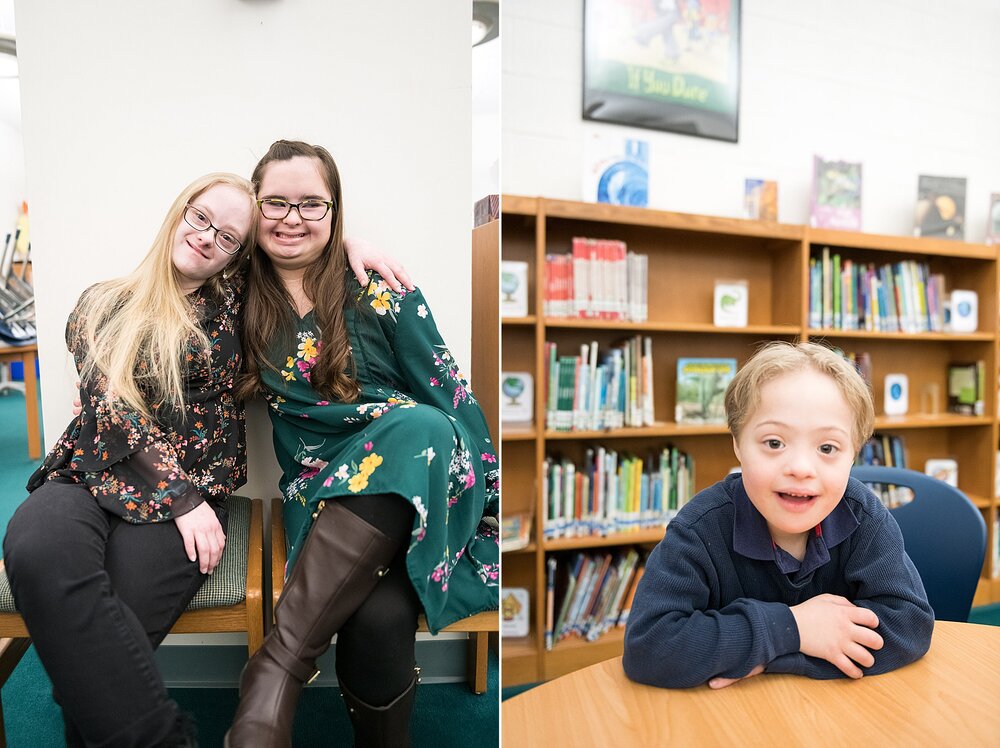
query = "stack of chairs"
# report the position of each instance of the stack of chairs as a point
(17, 298)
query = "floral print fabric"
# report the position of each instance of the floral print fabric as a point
(147, 471)
(415, 431)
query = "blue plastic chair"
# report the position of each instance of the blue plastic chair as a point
(944, 534)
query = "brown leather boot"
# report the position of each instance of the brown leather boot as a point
(382, 726)
(341, 561)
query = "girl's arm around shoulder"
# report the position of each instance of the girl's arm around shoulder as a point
(674, 639)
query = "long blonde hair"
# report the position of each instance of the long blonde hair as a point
(140, 329)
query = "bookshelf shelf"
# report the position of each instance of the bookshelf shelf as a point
(900, 244)
(933, 421)
(660, 429)
(686, 255)
(517, 433)
(979, 337)
(529, 320)
(777, 331)
(639, 537)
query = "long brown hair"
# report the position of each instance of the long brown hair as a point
(269, 308)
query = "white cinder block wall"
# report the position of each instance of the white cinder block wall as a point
(908, 87)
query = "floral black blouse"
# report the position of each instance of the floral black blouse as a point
(155, 471)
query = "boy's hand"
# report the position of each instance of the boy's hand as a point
(718, 683)
(834, 629)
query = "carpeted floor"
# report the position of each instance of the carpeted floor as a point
(445, 715)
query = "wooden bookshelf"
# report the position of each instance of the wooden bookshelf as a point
(687, 253)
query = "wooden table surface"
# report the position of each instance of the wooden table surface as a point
(27, 354)
(950, 697)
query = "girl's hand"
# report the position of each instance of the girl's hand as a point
(77, 404)
(363, 255)
(203, 537)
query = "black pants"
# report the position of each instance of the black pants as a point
(375, 647)
(98, 594)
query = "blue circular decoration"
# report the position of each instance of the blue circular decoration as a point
(895, 391)
(623, 183)
(964, 309)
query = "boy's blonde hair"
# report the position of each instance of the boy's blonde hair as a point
(780, 357)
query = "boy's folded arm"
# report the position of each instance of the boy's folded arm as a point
(888, 584)
(673, 641)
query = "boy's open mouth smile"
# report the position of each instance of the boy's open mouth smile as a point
(796, 501)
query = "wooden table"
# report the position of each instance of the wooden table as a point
(950, 697)
(27, 354)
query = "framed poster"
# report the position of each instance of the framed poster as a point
(669, 65)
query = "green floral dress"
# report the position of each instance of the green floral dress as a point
(415, 431)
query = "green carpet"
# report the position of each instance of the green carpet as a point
(445, 715)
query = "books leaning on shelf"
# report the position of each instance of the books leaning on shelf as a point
(595, 392)
(600, 279)
(590, 593)
(895, 297)
(614, 492)
(701, 388)
(515, 531)
(889, 450)
(967, 388)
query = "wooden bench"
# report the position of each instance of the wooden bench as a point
(230, 600)
(478, 626)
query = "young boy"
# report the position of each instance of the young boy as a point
(791, 566)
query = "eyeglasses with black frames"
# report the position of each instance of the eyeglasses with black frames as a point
(275, 209)
(224, 240)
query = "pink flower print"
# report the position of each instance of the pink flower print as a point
(470, 479)
(435, 382)
(368, 446)
(437, 574)
(323, 402)
(487, 457)
(328, 482)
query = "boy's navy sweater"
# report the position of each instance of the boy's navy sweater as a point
(715, 598)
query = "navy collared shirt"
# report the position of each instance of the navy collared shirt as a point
(717, 596)
(752, 539)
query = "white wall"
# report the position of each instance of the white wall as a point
(11, 146)
(907, 87)
(124, 103)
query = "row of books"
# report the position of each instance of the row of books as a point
(590, 593)
(889, 450)
(595, 391)
(894, 297)
(599, 279)
(614, 492)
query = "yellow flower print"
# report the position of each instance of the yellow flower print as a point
(381, 303)
(307, 349)
(369, 464)
(289, 377)
(358, 483)
(290, 363)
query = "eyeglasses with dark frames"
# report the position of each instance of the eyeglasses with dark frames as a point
(224, 240)
(275, 209)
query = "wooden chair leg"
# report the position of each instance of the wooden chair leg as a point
(477, 660)
(255, 571)
(11, 652)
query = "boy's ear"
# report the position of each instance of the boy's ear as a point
(736, 449)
